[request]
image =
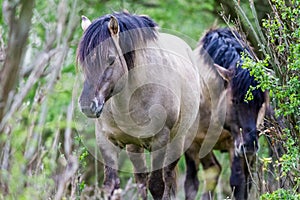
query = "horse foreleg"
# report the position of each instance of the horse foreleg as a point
(156, 182)
(237, 178)
(212, 170)
(169, 177)
(240, 179)
(158, 151)
(137, 157)
(111, 181)
(191, 183)
(248, 164)
(173, 153)
(109, 154)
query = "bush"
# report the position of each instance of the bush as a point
(279, 73)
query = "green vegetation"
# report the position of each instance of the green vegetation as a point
(279, 73)
(43, 153)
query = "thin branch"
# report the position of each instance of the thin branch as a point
(258, 27)
(68, 173)
(5, 153)
(244, 16)
(68, 131)
(30, 132)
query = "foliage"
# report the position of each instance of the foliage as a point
(42, 154)
(279, 73)
(34, 157)
(282, 51)
(280, 194)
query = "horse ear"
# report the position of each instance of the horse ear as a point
(226, 74)
(113, 26)
(85, 22)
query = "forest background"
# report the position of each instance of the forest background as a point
(43, 151)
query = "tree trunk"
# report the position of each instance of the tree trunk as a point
(262, 8)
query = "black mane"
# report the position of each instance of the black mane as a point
(139, 29)
(225, 49)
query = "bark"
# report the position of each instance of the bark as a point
(19, 28)
(262, 8)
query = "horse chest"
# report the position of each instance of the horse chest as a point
(120, 132)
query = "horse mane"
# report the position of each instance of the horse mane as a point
(225, 46)
(135, 30)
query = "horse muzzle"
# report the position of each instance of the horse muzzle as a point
(246, 149)
(94, 110)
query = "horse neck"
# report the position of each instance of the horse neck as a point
(131, 80)
(211, 83)
(146, 55)
(211, 80)
(157, 58)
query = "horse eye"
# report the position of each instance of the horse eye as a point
(111, 59)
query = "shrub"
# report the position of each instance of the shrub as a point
(279, 73)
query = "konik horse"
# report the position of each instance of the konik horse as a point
(227, 122)
(143, 87)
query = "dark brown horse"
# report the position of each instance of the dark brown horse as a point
(144, 89)
(227, 122)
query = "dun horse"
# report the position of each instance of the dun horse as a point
(227, 121)
(144, 89)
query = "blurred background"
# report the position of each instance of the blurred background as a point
(43, 155)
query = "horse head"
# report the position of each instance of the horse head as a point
(106, 53)
(243, 117)
(104, 66)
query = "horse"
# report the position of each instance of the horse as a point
(142, 86)
(227, 122)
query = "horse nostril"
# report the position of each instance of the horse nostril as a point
(93, 106)
(99, 110)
